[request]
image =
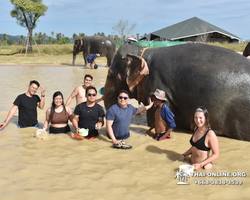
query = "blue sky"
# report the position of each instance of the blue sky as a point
(90, 17)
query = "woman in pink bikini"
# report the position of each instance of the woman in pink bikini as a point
(203, 140)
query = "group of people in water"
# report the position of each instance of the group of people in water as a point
(88, 114)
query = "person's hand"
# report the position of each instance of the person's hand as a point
(147, 132)
(42, 90)
(181, 158)
(77, 131)
(150, 103)
(161, 138)
(2, 125)
(98, 125)
(197, 166)
(45, 127)
(117, 142)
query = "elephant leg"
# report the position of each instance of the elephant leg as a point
(108, 61)
(74, 59)
(85, 59)
(74, 56)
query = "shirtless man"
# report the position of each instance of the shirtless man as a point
(164, 118)
(79, 91)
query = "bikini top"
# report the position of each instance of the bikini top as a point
(200, 144)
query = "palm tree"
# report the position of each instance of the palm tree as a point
(81, 34)
(44, 36)
(178, 175)
(100, 34)
(74, 36)
(185, 176)
(50, 40)
(36, 37)
(52, 34)
(59, 37)
(40, 39)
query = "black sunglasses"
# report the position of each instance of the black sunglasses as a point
(121, 97)
(89, 94)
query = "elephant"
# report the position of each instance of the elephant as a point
(246, 51)
(191, 75)
(94, 45)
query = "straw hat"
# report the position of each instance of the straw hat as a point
(159, 94)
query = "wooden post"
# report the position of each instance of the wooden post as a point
(27, 44)
(36, 45)
(23, 44)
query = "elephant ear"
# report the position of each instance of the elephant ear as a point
(137, 69)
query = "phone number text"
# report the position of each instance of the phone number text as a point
(218, 182)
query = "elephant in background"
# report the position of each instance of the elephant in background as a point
(246, 51)
(191, 75)
(93, 45)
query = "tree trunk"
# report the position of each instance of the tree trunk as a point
(30, 50)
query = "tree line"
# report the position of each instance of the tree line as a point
(55, 38)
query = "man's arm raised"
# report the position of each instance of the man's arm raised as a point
(42, 102)
(145, 108)
(72, 96)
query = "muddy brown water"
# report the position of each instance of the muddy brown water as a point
(64, 168)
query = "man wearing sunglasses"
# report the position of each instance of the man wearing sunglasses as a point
(119, 115)
(88, 115)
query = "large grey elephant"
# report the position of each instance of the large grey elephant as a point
(93, 45)
(246, 51)
(192, 75)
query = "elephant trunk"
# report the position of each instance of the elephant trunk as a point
(110, 91)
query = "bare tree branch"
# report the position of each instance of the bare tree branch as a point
(205, 35)
(123, 28)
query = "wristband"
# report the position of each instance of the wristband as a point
(42, 95)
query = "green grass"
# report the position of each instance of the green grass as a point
(61, 54)
(53, 49)
(238, 47)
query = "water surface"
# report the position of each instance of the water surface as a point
(64, 168)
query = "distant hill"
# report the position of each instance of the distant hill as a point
(15, 38)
